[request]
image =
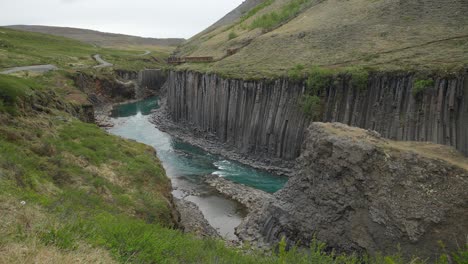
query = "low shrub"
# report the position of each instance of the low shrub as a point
(296, 73)
(359, 78)
(319, 79)
(311, 106)
(420, 85)
(232, 35)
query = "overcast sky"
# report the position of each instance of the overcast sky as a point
(148, 18)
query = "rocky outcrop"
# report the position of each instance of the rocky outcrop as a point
(46, 101)
(192, 220)
(263, 118)
(359, 192)
(104, 89)
(126, 75)
(121, 86)
(252, 199)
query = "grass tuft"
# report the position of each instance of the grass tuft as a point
(232, 35)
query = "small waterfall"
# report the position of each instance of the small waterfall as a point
(139, 91)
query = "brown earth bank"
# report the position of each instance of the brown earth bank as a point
(357, 191)
(263, 119)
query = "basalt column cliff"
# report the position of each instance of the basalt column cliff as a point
(264, 117)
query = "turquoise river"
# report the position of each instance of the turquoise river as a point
(186, 164)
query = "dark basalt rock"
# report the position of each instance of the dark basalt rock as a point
(263, 118)
(359, 192)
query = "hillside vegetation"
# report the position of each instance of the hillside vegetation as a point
(388, 35)
(20, 48)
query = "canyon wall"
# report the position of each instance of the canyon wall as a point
(263, 118)
(260, 118)
(152, 79)
(439, 114)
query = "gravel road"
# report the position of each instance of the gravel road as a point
(35, 68)
(103, 63)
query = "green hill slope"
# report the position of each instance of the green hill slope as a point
(21, 48)
(276, 35)
(99, 38)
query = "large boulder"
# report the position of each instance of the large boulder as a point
(359, 192)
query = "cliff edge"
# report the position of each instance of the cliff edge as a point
(356, 191)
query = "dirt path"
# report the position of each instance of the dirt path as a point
(50, 67)
(147, 52)
(103, 63)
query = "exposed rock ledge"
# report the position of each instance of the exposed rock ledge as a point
(192, 219)
(359, 192)
(252, 199)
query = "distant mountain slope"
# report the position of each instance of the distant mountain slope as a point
(276, 35)
(234, 15)
(99, 38)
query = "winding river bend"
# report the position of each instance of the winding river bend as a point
(186, 164)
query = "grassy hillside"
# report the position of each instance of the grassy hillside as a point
(277, 35)
(99, 38)
(20, 48)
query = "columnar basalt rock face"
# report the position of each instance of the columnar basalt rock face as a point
(151, 79)
(261, 118)
(439, 114)
(264, 117)
(255, 117)
(357, 191)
